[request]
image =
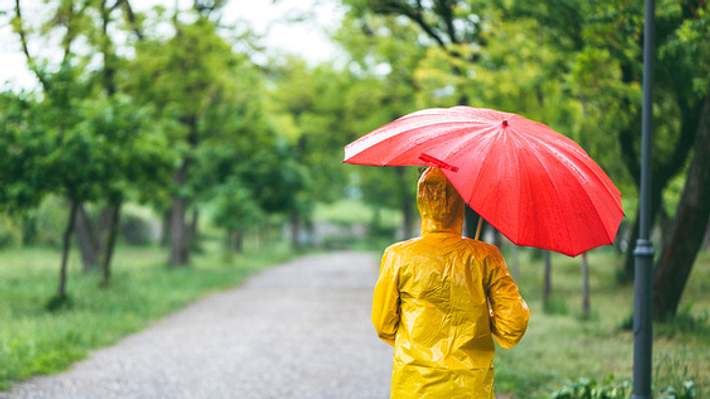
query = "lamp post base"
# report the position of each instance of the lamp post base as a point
(643, 327)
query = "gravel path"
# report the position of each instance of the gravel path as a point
(299, 330)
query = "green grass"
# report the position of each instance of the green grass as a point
(34, 341)
(560, 347)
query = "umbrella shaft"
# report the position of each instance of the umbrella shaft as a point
(478, 227)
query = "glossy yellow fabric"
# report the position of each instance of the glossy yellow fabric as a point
(440, 299)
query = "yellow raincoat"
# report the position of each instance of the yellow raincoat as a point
(441, 298)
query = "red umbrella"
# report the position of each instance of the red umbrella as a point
(536, 186)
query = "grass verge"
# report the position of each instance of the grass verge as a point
(560, 347)
(35, 341)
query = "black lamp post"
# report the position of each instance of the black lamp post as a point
(643, 271)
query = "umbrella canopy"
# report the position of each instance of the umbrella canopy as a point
(536, 186)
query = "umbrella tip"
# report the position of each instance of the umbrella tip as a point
(505, 123)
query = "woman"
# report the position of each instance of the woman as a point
(440, 299)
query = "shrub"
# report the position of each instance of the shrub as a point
(556, 306)
(137, 228)
(586, 388)
(10, 232)
(45, 225)
(686, 391)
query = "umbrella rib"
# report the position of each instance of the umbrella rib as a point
(600, 179)
(486, 144)
(391, 126)
(467, 144)
(429, 142)
(594, 205)
(552, 181)
(517, 238)
(396, 135)
(516, 139)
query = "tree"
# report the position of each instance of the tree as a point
(678, 254)
(577, 67)
(134, 153)
(96, 142)
(384, 60)
(236, 211)
(69, 151)
(608, 34)
(185, 76)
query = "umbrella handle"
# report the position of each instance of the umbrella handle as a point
(478, 228)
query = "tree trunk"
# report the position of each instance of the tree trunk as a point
(103, 225)
(179, 234)
(407, 220)
(586, 305)
(195, 230)
(165, 228)
(515, 270)
(238, 241)
(310, 228)
(86, 239)
(110, 244)
(405, 202)
(62, 288)
(663, 171)
(666, 225)
(295, 224)
(547, 282)
(678, 255)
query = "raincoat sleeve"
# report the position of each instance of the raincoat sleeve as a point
(509, 312)
(385, 303)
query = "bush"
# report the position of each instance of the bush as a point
(10, 232)
(586, 388)
(137, 228)
(685, 322)
(45, 225)
(686, 391)
(556, 306)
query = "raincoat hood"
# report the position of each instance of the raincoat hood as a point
(440, 206)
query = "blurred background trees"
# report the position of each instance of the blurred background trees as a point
(170, 125)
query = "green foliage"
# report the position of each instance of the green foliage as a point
(556, 306)
(686, 322)
(590, 389)
(585, 388)
(235, 208)
(137, 229)
(686, 391)
(44, 224)
(126, 148)
(25, 149)
(10, 232)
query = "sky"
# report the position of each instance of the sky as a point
(266, 17)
